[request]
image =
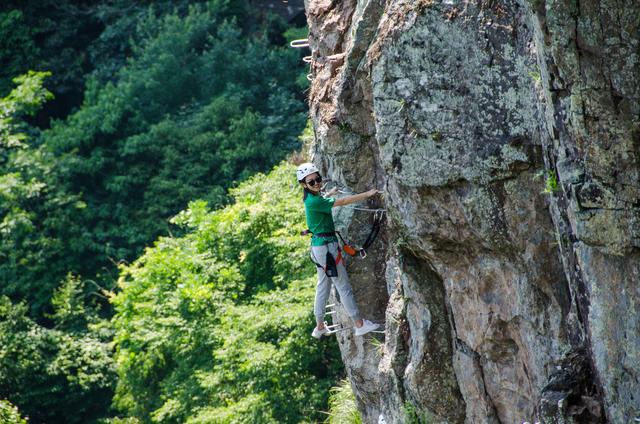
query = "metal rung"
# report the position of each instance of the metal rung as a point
(336, 328)
(307, 59)
(331, 309)
(300, 43)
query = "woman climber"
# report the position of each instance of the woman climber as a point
(326, 253)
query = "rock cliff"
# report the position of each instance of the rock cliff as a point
(505, 136)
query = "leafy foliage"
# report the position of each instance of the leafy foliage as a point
(70, 313)
(9, 414)
(23, 100)
(213, 326)
(36, 215)
(342, 405)
(49, 373)
(550, 181)
(156, 104)
(71, 39)
(17, 47)
(198, 108)
(201, 103)
(30, 31)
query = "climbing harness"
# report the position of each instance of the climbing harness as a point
(352, 249)
(331, 263)
(348, 249)
(375, 229)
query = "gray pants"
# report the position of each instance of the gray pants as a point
(319, 256)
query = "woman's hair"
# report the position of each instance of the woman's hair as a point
(306, 190)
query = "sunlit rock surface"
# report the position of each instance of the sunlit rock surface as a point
(505, 136)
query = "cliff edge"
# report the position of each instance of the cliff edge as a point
(505, 136)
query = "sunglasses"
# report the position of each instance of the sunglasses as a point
(314, 181)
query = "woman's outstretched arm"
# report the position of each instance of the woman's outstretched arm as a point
(355, 198)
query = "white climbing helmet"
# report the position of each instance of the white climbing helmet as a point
(306, 169)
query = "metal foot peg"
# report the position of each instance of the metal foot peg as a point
(300, 43)
(334, 328)
(337, 327)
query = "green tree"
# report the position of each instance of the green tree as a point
(9, 414)
(47, 35)
(17, 47)
(71, 39)
(37, 217)
(171, 102)
(214, 326)
(202, 102)
(198, 107)
(68, 304)
(53, 376)
(342, 405)
(35, 214)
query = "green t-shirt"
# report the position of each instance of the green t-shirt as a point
(319, 218)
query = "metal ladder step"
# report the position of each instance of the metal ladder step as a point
(337, 327)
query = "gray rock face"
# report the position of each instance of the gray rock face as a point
(505, 135)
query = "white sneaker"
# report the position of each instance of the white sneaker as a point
(367, 326)
(319, 333)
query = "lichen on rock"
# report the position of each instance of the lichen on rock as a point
(506, 298)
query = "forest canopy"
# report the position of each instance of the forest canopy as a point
(215, 324)
(137, 146)
(205, 97)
